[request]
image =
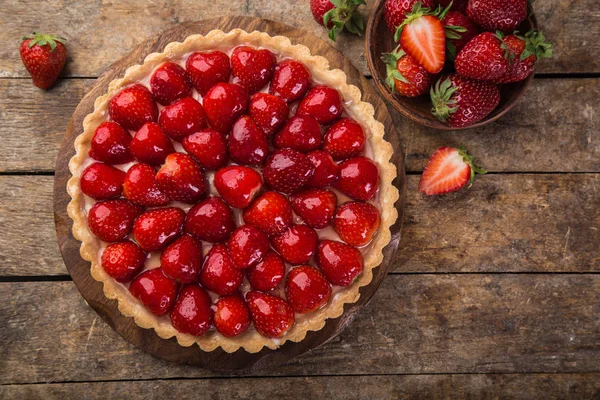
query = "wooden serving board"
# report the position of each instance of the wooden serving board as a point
(79, 269)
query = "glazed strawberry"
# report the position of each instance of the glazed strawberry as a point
(182, 118)
(291, 80)
(302, 133)
(484, 58)
(404, 74)
(422, 36)
(232, 316)
(182, 259)
(192, 313)
(101, 181)
(238, 185)
(252, 68)
(133, 107)
(170, 83)
(182, 179)
(340, 263)
(459, 101)
(141, 186)
(459, 31)
(44, 57)
(356, 223)
(448, 170)
(525, 51)
(267, 274)
(287, 170)
(322, 103)
(271, 212)
(359, 178)
(315, 206)
(155, 290)
(208, 147)
(155, 229)
(271, 315)
(247, 143)
(326, 170)
(206, 69)
(269, 112)
(395, 11)
(150, 145)
(247, 246)
(337, 15)
(457, 5)
(492, 15)
(223, 104)
(110, 144)
(297, 244)
(123, 260)
(112, 220)
(344, 139)
(210, 220)
(218, 274)
(306, 289)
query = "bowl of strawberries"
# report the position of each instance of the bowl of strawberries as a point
(453, 64)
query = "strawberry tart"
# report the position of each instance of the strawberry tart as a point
(232, 191)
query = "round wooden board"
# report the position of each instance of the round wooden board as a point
(79, 269)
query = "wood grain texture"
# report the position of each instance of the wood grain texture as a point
(497, 386)
(416, 324)
(554, 129)
(129, 22)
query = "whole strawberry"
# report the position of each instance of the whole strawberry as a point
(44, 57)
(459, 101)
(337, 15)
(448, 170)
(491, 15)
(459, 31)
(396, 10)
(404, 75)
(485, 57)
(525, 51)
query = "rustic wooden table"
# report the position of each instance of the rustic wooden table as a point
(495, 292)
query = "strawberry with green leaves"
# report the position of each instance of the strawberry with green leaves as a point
(459, 31)
(337, 15)
(404, 75)
(525, 52)
(44, 57)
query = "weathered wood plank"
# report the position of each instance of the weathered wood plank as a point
(416, 324)
(504, 223)
(521, 386)
(129, 22)
(553, 129)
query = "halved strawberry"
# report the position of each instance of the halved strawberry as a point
(306, 289)
(208, 147)
(123, 260)
(223, 104)
(182, 259)
(340, 263)
(485, 57)
(133, 107)
(344, 139)
(101, 181)
(525, 52)
(141, 186)
(150, 145)
(404, 74)
(302, 133)
(112, 220)
(247, 143)
(182, 118)
(448, 170)
(206, 69)
(210, 220)
(170, 83)
(322, 103)
(271, 212)
(232, 316)
(287, 170)
(356, 222)
(219, 274)
(326, 170)
(156, 228)
(182, 179)
(247, 246)
(269, 112)
(238, 185)
(252, 68)
(267, 274)
(272, 316)
(155, 290)
(291, 80)
(297, 244)
(110, 144)
(359, 178)
(192, 313)
(316, 207)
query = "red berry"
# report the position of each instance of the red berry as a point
(224, 103)
(208, 147)
(271, 315)
(297, 244)
(192, 313)
(316, 206)
(287, 170)
(170, 83)
(155, 290)
(269, 112)
(469, 31)
(247, 246)
(238, 185)
(133, 107)
(306, 289)
(339, 14)
(44, 57)
(267, 274)
(302, 133)
(339, 262)
(182, 179)
(291, 80)
(326, 170)
(218, 273)
(247, 143)
(271, 212)
(424, 39)
(112, 220)
(101, 181)
(206, 69)
(252, 68)
(150, 145)
(110, 144)
(344, 139)
(356, 223)
(396, 10)
(359, 178)
(156, 228)
(182, 259)
(123, 260)
(232, 316)
(141, 186)
(484, 58)
(492, 15)
(405, 75)
(533, 43)
(457, 5)
(210, 220)
(182, 118)
(323, 104)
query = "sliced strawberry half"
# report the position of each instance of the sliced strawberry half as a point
(272, 316)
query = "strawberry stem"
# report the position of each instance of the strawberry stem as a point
(441, 99)
(536, 45)
(42, 39)
(470, 160)
(344, 15)
(393, 75)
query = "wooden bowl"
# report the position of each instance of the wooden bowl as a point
(380, 40)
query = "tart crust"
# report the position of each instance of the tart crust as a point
(250, 341)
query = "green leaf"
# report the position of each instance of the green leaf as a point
(328, 15)
(358, 20)
(337, 3)
(350, 27)
(451, 50)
